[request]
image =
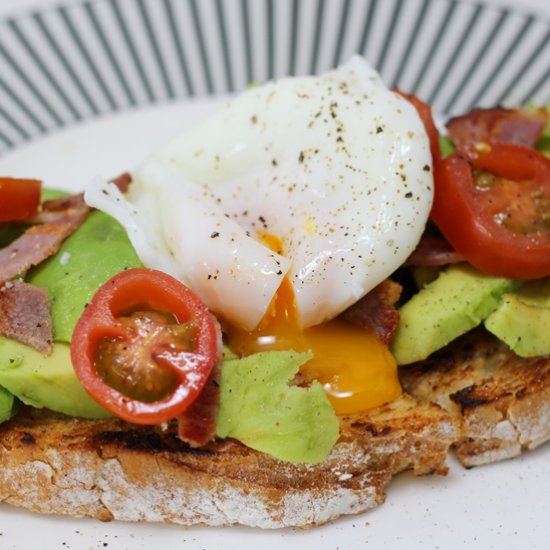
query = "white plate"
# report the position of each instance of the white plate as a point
(502, 506)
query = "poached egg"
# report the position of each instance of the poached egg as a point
(319, 184)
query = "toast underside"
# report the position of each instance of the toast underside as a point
(474, 395)
(111, 470)
(500, 401)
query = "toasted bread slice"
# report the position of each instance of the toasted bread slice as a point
(112, 470)
(501, 401)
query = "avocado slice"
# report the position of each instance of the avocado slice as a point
(97, 251)
(45, 381)
(260, 408)
(7, 404)
(522, 320)
(458, 300)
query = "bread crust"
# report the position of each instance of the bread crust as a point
(111, 470)
(500, 401)
(475, 395)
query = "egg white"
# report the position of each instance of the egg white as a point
(337, 166)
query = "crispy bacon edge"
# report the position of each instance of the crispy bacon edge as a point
(497, 125)
(25, 315)
(123, 181)
(197, 425)
(24, 310)
(376, 311)
(432, 252)
(57, 220)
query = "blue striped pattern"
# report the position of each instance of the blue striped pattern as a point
(73, 62)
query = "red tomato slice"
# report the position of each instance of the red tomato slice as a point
(145, 346)
(494, 209)
(19, 198)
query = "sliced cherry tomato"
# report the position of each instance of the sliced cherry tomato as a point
(494, 209)
(145, 346)
(19, 198)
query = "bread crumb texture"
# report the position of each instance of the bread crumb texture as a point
(110, 470)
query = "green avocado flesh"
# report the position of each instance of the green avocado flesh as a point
(45, 381)
(7, 404)
(260, 409)
(257, 406)
(94, 253)
(522, 320)
(457, 301)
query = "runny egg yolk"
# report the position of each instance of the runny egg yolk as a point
(356, 370)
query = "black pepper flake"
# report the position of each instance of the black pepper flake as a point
(426, 168)
(408, 195)
(302, 157)
(379, 129)
(214, 234)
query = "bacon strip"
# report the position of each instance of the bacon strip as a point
(24, 309)
(376, 310)
(57, 220)
(197, 425)
(498, 125)
(25, 315)
(70, 209)
(433, 252)
(123, 181)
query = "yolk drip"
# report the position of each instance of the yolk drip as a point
(356, 370)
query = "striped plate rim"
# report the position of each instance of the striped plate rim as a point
(72, 62)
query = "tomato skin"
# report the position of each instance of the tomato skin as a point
(153, 290)
(466, 220)
(19, 198)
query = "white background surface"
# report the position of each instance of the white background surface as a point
(503, 506)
